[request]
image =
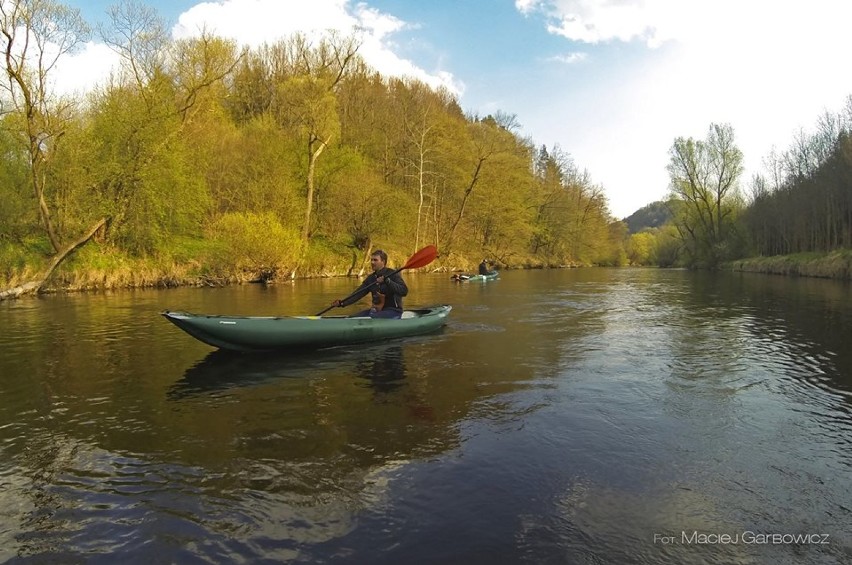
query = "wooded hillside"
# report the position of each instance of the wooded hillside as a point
(203, 161)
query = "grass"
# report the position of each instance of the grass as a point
(833, 265)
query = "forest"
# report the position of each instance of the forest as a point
(202, 163)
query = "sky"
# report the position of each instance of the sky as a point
(612, 83)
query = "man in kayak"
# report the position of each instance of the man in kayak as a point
(387, 291)
(483, 267)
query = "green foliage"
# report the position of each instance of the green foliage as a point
(17, 204)
(358, 207)
(255, 242)
(135, 167)
(324, 256)
(704, 177)
(669, 247)
(806, 204)
(254, 168)
(23, 259)
(293, 158)
(642, 248)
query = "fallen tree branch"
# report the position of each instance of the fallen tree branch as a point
(36, 285)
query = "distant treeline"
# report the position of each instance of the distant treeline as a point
(803, 205)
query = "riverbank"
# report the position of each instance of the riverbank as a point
(196, 263)
(834, 265)
(94, 269)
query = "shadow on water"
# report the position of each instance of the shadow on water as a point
(378, 366)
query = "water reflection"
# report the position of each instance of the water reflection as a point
(385, 371)
(379, 367)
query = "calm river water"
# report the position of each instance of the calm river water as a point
(568, 416)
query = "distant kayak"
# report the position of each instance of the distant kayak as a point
(493, 275)
(261, 333)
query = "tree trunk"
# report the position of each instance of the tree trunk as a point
(366, 260)
(313, 156)
(58, 258)
(449, 243)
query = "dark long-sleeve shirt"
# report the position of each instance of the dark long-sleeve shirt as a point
(393, 287)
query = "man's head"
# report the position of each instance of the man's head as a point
(378, 259)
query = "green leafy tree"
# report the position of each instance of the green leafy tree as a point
(18, 215)
(357, 204)
(256, 243)
(36, 34)
(704, 176)
(146, 124)
(251, 169)
(485, 139)
(309, 109)
(641, 248)
(306, 78)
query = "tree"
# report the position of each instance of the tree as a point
(306, 102)
(420, 127)
(486, 138)
(17, 214)
(310, 109)
(35, 35)
(641, 248)
(704, 176)
(146, 125)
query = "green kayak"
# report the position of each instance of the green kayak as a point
(477, 278)
(257, 333)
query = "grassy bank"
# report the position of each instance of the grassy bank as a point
(834, 265)
(199, 262)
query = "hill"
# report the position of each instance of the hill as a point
(653, 215)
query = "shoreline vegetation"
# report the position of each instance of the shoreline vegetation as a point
(121, 273)
(832, 265)
(95, 268)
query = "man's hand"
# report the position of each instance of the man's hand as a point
(336, 303)
(380, 279)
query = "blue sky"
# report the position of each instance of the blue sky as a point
(611, 82)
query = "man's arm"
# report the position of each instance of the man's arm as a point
(361, 292)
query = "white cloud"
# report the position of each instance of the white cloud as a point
(767, 67)
(90, 65)
(254, 22)
(569, 58)
(527, 6)
(591, 21)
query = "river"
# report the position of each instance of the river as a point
(561, 416)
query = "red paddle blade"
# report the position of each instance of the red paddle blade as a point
(422, 257)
